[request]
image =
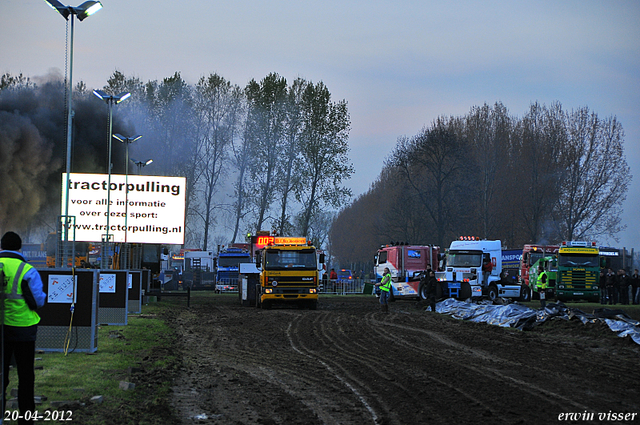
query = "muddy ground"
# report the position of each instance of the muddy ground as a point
(348, 363)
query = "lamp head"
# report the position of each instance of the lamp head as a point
(122, 96)
(61, 8)
(87, 8)
(125, 139)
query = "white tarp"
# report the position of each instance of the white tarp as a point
(521, 317)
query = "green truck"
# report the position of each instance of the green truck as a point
(578, 273)
(550, 266)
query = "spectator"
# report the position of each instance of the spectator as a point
(431, 287)
(611, 284)
(635, 287)
(603, 287)
(23, 295)
(487, 268)
(623, 285)
(333, 275)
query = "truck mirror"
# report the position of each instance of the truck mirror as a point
(322, 258)
(215, 263)
(257, 259)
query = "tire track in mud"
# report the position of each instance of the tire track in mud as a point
(368, 377)
(476, 368)
(347, 363)
(313, 390)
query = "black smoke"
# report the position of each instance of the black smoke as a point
(33, 149)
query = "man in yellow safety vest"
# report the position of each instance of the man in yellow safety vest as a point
(23, 294)
(385, 290)
(542, 284)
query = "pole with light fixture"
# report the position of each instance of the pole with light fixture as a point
(141, 164)
(110, 101)
(127, 141)
(86, 9)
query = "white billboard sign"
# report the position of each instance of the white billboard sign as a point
(142, 209)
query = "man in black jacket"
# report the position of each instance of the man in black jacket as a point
(635, 287)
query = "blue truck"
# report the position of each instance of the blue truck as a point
(227, 268)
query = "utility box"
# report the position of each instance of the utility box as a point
(114, 297)
(248, 280)
(65, 288)
(134, 305)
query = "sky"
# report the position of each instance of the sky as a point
(399, 64)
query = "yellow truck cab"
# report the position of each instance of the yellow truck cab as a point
(287, 272)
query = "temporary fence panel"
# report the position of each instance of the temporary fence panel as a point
(61, 328)
(350, 287)
(114, 297)
(134, 304)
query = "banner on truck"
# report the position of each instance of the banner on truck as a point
(142, 209)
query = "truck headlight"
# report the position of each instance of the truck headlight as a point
(312, 290)
(268, 291)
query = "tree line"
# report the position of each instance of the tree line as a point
(548, 176)
(270, 156)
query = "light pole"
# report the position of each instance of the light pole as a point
(127, 141)
(110, 101)
(141, 164)
(86, 9)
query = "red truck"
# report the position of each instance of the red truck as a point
(405, 262)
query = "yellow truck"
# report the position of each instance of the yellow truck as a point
(286, 272)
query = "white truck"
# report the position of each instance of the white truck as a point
(464, 276)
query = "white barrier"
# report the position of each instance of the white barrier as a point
(344, 287)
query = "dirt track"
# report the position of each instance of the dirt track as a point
(347, 363)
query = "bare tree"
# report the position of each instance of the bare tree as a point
(266, 118)
(291, 152)
(488, 132)
(214, 106)
(431, 162)
(596, 177)
(324, 150)
(537, 165)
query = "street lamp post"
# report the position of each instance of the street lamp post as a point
(141, 164)
(110, 101)
(127, 141)
(86, 9)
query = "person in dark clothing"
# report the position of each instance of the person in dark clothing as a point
(623, 285)
(611, 283)
(635, 287)
(603, 287)
(429, 279)
(23, 295)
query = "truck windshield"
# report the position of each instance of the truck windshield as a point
(286, 260)
(464, 259)
(535, 256)
(580, 260)
(232, 261)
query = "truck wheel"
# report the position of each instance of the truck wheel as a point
(266, 305)
(493, 292)
(465, 291)
(525, 294)
(422, 291)
(313, 305)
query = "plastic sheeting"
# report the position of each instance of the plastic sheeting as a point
(524, 318)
